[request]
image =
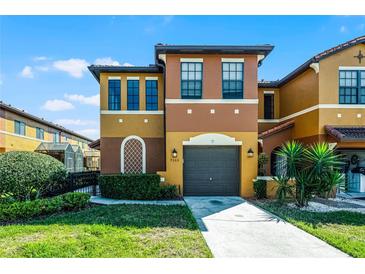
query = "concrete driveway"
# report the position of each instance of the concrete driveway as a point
(233, 227)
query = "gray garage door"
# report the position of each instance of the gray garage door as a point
(211, 170)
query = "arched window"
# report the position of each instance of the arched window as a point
(133, 155)
(277, 163)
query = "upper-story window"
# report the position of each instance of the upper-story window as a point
(114, 94)
(39, 133)
(151, 95)
(232, 80)
(133, 94)
(352, 87)
(191, 80)
(56, 137)
(19, 127)
(269, 106)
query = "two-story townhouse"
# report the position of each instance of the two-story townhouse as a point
(321, 100)
(191, 117)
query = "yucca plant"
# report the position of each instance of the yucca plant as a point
(320, 158)
(284, 189)
(292, 151)
(330, 180)
(304, 186)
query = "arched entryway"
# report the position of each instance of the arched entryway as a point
(133, 155)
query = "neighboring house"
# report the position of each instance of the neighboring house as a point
(199, 118)
(21, 131)
(321, 100)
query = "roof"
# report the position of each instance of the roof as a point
(41, 120)
(97, 69)
(277, 129)
(214, 49)
(95, 144)
(320, 56)
(347, 133)
(53, 147)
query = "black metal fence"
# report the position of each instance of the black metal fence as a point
(86, 182)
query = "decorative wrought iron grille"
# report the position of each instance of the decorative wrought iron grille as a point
(133, 156)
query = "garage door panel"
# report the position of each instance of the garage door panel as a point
(220, 163)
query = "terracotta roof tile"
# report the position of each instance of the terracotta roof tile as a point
(277, 129)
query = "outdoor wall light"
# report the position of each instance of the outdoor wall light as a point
(174, 153)
(250, 153)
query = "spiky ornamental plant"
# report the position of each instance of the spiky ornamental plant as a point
(292, 151)
(284, 189)
(321, 161)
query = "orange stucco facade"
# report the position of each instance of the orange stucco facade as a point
(308, 98)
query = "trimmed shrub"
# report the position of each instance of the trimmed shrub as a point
(168, 192)
(28, 175)
(29, 209)
(259, 187)
(133, 187)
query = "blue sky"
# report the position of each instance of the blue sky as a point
(43, 59)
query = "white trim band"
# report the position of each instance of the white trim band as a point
(133, 112)
(212, 139)
(151, 78)
(212, 101)
(312, 108)
(114, 78)
(269, 92)
(351, 68)
(133, 78)
(233, 60)
(191, 60)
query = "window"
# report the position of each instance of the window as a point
(19, 128)
(114, 95)
(352, 87)
(268, 106)
(151, 95)
(191, 80)
(56, 137)
(39, 133)
(133, 95)
(232, 80)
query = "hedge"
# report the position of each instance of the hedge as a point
(29, 209)
(259, 187)
(135, 187)
(27, 175)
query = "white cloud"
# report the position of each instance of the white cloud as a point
(127, 65)
(74, 122)
(74, 67)
(92, 133)
(343, 29)
(93, 100)
(40, 58)
(57, 105)
(106, 61)
(27, 72)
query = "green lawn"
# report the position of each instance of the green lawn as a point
(343, 229)
(107, 231)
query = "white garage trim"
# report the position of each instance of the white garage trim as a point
(212, 139)
(125, 140)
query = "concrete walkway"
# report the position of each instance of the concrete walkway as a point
(106, 201)
(233, 227)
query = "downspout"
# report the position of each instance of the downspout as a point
(163, 66)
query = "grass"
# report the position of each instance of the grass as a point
(344, 230)
(107, 231)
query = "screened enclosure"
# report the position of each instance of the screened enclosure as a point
(61, 151)
(78, 159)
